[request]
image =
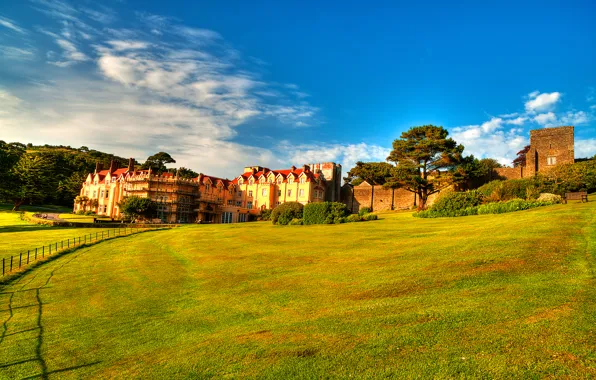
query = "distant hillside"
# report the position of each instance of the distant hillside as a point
(66, 168)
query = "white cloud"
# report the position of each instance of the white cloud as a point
(546, 119)
(14, 53)
(575, 118)
(585, 148)
(346, 155)
(542, 102)
(8, 23)
(517, 121)
(128, 45)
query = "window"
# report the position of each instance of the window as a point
(240, 181)
(101, 194)
(238, 203)
(207, 187)
(242, 217)
(278, 203)
(94, 193)
(291, 180)
(279, 193)
(107, 194)
(264, 192)
(271, 180)
(280, 180)
(249, 205)
(239, 193)
(226, 217)
(262, 180)
(301, 193)
(230, 203)
(302, 180)
(251, 181)
(250, 193)
(551, 161)
(289, 193)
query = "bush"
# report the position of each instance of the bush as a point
(453, 201)
(89, 213)
(527, 188)
(266, 214)
(370, 217)
(285, 212)
(548, 197)
(80, 212)
(364, 211)
(316, 213)
(295, 222)
(353, 218)
(324, 213)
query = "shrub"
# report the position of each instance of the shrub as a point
(447, 213)
(324, 213)
(337, 211)
(266, 214)
(548, 197)
(80, 212)
(370, 217)
(364, 211)
(510, 206)
(295, 222)
(285, 212)
(89, 213)
(453, 201)
(526, 188)
(316, 213)
(353, 218)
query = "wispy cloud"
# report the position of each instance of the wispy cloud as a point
(14, 53)
(10, 24)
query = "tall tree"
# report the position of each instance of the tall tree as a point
(425, 160)
(9, 156)
(186, 173)
(372, 172)
(31, 182)
(520, 160)
(136, 207)
(158, 162)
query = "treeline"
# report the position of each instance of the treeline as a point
(49, 174)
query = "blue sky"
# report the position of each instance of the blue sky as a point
(221, 85)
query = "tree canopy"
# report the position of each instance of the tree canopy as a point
(375, 173)
(425, 159)
(158, 161)
(520, 160)
(137, 207)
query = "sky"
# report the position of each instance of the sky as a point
(223, 85)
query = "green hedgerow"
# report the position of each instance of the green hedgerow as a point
(370, 217)
(451, 202)
(353, 218)
(324, 213)
(285, 212)
(364, 211)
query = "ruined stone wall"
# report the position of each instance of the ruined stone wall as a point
(549, 147)
(379, 199)
(508, 173)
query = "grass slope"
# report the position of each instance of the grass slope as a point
(507, 295)
(18, 236)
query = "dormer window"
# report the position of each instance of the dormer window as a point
(262, 180)
(240, 181)
(291, 180)
(251, 181)
(302, 180)
(280, 180)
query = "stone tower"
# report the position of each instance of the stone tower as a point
(332, 174)
(549, 147)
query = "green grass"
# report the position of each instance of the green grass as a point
(74, 218)
(18, 236)
(509, 295)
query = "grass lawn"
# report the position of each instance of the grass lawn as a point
(509, 295)
(17, 235)
(74, 218)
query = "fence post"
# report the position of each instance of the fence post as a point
(28, 255)
(56, 247)
(21, 258)
(42, 248)
(3, 266)
(11, 263)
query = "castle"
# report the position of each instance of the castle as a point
(208, 198)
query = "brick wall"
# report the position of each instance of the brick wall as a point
(508, 173)
(379, 198)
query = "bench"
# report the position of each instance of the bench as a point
(579, 196)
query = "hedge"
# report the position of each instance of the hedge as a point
(488, 208)
(451, 202)
(285, 212)
(324, 213)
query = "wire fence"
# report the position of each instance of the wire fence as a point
(23, 259)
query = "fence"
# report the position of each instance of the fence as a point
(32, 255)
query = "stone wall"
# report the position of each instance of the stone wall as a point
(508, 173)
(378, 198)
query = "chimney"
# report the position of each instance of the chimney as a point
(131, 164)
(98, 167)
(293, 168)
(254, 170)
(113, 166)
(306, 168)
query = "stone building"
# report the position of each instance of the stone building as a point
(207, 198)
(548, 147)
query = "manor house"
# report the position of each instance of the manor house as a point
(208, 198)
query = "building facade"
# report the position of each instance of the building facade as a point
(208, 199)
